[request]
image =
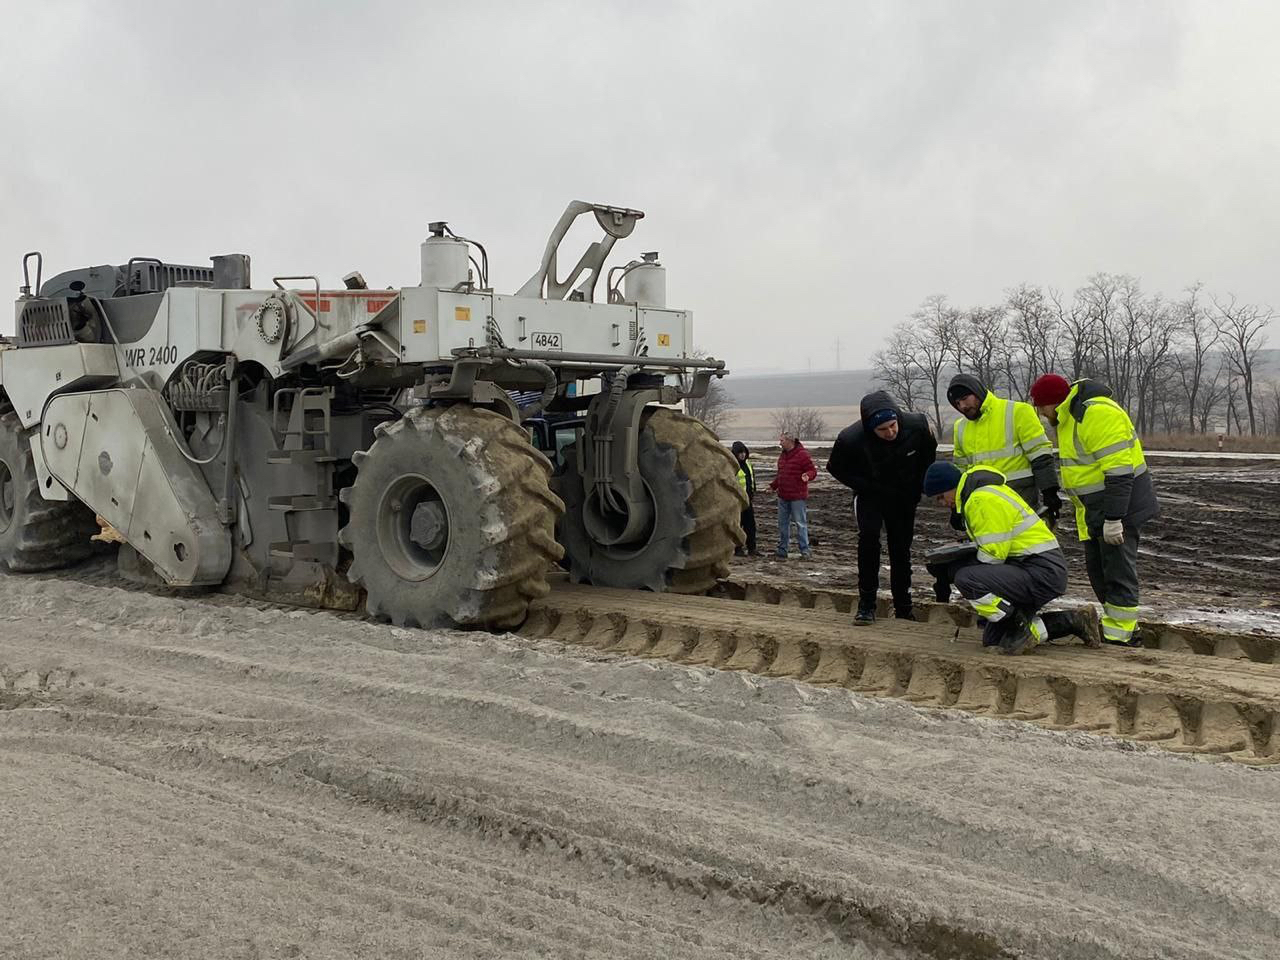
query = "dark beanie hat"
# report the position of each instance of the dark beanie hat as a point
(1049, 389)
(881, 417)
(941, 476)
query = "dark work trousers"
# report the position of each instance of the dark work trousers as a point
(1113, 571)
(1026, 584)
(898, 520)
(748, 521)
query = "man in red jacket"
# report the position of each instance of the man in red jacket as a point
(795, 470)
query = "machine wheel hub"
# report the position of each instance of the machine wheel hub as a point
(413, 527)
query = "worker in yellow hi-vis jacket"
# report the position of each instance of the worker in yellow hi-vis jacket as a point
(1105, 474)
(1017, 566)
(1005, 436)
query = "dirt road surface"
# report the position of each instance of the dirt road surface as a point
(1214, 550)
(206, 778)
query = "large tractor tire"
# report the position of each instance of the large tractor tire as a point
(35, 533)
(451, 520)
(698, 504)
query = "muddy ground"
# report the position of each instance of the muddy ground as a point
(208, 778)
(1214, 553)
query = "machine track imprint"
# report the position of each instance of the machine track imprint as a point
(1185, 703)
(1156, 634)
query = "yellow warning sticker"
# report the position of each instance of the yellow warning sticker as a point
(462, 314)
(419, 324)
(664, 339)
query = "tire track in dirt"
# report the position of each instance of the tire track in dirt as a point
(298, 761)
(1204, 705)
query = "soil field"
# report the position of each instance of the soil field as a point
(205, 777)
(1213, 554)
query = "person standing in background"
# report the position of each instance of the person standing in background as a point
(795, 472)
(747, 482)
(883, 459)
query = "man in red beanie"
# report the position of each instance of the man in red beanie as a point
(1105, 475)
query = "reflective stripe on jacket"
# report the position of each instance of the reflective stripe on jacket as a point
(1099, 445)
(997, 520)
(1006, 437)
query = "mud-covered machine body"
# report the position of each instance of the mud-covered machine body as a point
(324, 446)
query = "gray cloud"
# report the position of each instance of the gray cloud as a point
(809, 170)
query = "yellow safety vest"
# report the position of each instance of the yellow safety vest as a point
(744, 471)
(1101, 444)
(999, 521)
(1006, 437)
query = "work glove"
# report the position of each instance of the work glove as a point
(1052, 506)
(957, 521)
(1113, 532)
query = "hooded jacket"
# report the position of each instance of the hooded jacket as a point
(795, 470)
(1101, 436)
(888, 471)
(1007, 437)
(746, 474)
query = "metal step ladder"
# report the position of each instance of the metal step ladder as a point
(305, 442)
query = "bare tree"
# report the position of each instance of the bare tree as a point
(1213, 393)
(982, 344)
(1077, 335)
(934, 330)
(803, 422)
(1033, 331)
(1197, 335)
(1153, 332)
(1242, 327)
(897, 368)
(713, 408)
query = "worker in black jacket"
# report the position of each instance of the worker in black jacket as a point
(883, 459)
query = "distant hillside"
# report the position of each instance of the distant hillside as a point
(825, 388)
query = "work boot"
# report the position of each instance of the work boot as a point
(865, 616)
(904, 613)
(1133, 643)
(1085, 625)
(739, 552)
(1082, 623)
(1018, 636)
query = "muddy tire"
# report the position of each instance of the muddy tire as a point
(35, 533)
(452, 520)
(697, 509)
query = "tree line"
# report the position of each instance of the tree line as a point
(1184, 365)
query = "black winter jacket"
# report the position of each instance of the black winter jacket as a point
(887, 471)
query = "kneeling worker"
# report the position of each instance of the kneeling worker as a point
(1018, 566)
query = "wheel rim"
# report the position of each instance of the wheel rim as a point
(8, 495)
(413, 527)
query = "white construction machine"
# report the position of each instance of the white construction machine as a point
(325, 447)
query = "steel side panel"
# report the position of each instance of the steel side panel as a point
(435, 323)
(50, 487)
(121, 461)
(31, 375)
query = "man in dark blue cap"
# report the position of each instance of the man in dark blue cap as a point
(882, 458)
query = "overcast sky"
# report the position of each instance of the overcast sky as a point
(810, 171)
